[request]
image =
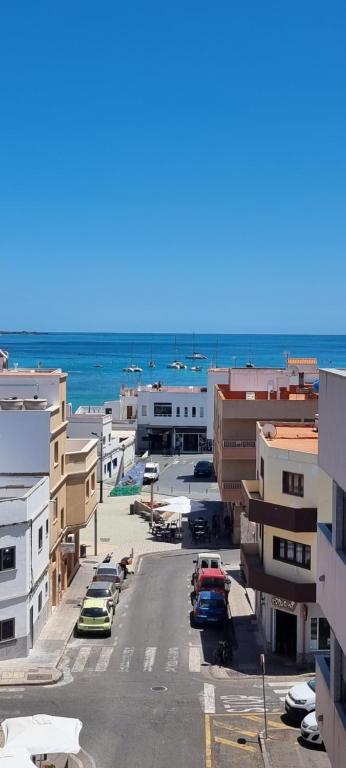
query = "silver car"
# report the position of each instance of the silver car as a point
(106, 589)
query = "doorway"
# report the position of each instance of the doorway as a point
(286, 634)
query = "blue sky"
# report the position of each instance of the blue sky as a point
(173, 166)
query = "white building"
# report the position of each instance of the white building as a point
(172, 419)
(283, 506)
(24, 562)
(116, 448)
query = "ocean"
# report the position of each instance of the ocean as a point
(95, 361)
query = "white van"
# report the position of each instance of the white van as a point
(206, 560)
(151, 472)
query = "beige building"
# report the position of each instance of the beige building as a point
(331, 567)
(283, 506)
(252, 394)
(33, 427)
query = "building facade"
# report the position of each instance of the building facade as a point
(115, 447)
(252, 394)
(331, 570)
(283, 505)
(172, 419)
(24, 562)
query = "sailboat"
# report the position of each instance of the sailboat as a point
(132, 368)
(151, 363)
(195, 355)
(177, 364)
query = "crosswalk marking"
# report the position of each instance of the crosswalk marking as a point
(82, 658)
(282, 684)
(194, 658)
(209, 699)
(149, 659)
(126, 659)
(172, 660)
(103, 659)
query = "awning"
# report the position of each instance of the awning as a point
(43, 734)
(15, 758)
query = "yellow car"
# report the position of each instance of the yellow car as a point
(96, 616)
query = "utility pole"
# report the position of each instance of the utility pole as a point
(263, 670)
(100, 438)
(152, 503)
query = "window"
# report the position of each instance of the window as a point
(319, 634)
(56, 453)
(62, 518)
(40, 538)
(39, 607)
(6, 630)
(63, 465)
(144, 410)
(177, 412)
(114, 463)
(293, 483)
(194, 410)
(7, 558)
(201, 412)
(162, 409)
(108, 411)
(63, 410)
(87, 490)
(47, 526)
(105, 469)
(186, 411)
(262, 468)
(93, 482)
(104, 439)
(46, 588)
(292, 552)
(55, 508)
(109, 437)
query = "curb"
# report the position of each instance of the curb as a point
(264, 753)
(56, 675)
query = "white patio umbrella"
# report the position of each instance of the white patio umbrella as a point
(43, 734)
(15, 758)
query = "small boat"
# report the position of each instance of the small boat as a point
(137, 369)
(195, 355)
(196, 368)
(129, 369)
(98, 365)
(151, 363)
(177, 364)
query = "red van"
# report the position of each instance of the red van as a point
(212, 580)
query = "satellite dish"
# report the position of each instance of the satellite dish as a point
(269, 430)
(294, 372)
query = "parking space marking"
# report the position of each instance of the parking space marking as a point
(194, 658)
(103, 659)
(207, 742)
(172, 660)
(270, 723)
(251, 734)
(126, 659)
(229, 743)
(82, 658)
(149, 659)
(209, 698)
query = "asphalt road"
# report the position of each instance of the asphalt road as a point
(176, 477)
(149, 696)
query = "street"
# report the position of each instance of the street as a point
(149, 696)
(176, 477)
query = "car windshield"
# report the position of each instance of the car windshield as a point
(98, 592)
(213, 583)
(93, 613)
(204, 603)
(312, 684)
(107, 571)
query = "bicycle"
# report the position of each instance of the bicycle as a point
(223, 653)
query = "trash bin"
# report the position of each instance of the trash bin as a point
(132, 509)
(82, 550)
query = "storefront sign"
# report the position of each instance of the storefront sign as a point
(67, 548)
(287, 605)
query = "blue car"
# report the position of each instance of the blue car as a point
(210, 607)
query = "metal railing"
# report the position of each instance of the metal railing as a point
(239, 443)
(231, 485)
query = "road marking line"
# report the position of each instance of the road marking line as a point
(207, 742)
(209, 699)
(280, 690)
(194, 659)
(229, 743)
(82, 658)
(172, 661)
(104, 659)
(282, 698)
(284, 684)
(149, 659)
(139, 565)
(126, 659)
(272, 723)
(252, 734)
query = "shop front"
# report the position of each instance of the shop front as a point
(294, 631)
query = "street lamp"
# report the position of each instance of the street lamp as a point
(100, 437)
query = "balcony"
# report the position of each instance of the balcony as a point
(331, 582)
(230, 490)
(296, 520)
(239, 449)
(81, 494)
(257, 579)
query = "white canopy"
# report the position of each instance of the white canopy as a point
(43, 734)
(15, 758)
(179, 506)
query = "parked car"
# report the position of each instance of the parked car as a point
(210, 607)
(309, 730)
(203, 469)
(151, 472)
(110, 572)
(107, 590)
(300, 700)
(212, 579)
(96, 616)
(206, 560)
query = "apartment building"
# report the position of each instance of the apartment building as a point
(331, 567)
(24, 562)
(253, 394)
(283, 506)
(115, 447)
(33, 427)
(172, 419)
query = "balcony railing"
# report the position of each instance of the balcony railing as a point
(239, 443)
(297, 520)
(231, 485)
(257, 578)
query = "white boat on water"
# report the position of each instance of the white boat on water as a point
(129, 369)
(195, 355)
(196, 368)
(177, 364)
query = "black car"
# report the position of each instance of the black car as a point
(203, 469)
